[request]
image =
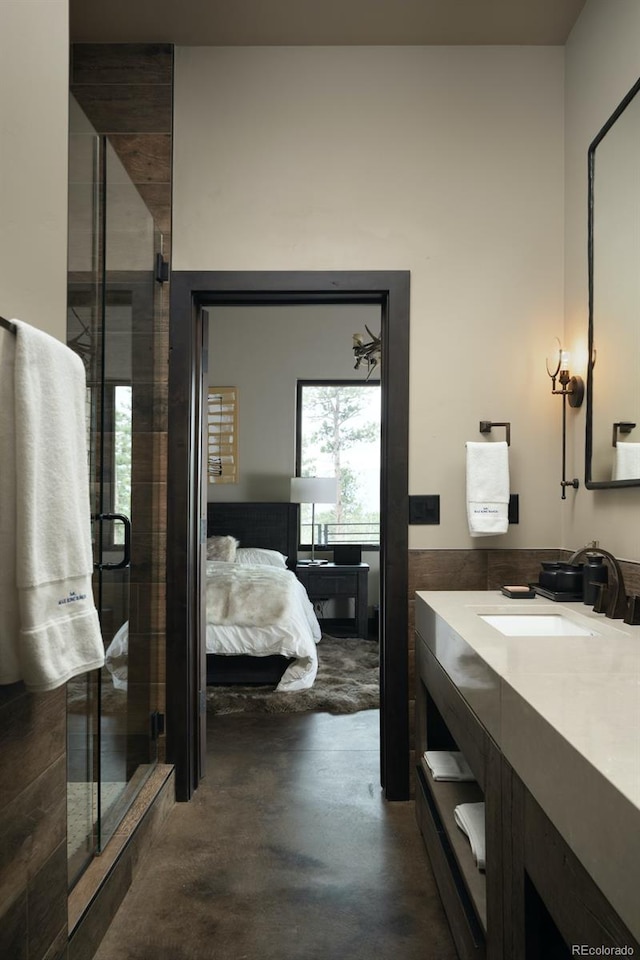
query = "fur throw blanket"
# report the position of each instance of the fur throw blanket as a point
(248, 596)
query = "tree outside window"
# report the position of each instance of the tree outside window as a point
(122, 457)
(339, 436)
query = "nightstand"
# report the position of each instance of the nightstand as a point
(325, 581)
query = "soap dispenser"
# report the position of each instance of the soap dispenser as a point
(594, 573)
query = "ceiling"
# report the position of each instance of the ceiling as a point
(324, 22)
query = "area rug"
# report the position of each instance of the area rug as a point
(347, 681)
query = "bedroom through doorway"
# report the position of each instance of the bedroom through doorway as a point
(285, 400)
(195, 297)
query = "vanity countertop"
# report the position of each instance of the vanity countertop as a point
(565, 712)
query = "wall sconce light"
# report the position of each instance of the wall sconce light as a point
(571, 389)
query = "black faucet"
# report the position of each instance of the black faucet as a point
(616, 597)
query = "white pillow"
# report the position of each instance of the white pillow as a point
(258, 557)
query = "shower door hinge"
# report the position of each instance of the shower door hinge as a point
(157, 724)
(162, 269)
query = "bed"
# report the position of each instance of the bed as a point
(281, 651)
(261, 626)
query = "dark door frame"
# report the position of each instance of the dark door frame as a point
(191, 292)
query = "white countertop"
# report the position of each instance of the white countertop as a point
(565, 712)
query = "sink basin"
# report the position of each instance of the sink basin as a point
(537, 625)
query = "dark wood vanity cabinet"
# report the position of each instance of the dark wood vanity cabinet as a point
(535, 901)
(553, 907)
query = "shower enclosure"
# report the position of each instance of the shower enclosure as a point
(112, 723)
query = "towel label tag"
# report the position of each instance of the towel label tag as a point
(72, 598)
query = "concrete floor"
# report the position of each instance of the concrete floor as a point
(286, 852)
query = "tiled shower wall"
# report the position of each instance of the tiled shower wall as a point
(33, 824)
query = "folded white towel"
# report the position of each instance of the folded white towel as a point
(470, 819)
(59, 632)
(487, 488)
(448, 765)
(626, 463)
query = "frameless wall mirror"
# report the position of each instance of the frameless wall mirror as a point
(613, 380)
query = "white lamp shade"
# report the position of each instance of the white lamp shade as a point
(314, 490)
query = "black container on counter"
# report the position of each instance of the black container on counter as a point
(549, 574)
(570, 578)
(594, 572)
(561, 577)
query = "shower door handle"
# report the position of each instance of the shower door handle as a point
(126, 555)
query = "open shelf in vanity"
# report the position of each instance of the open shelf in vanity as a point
(445, 722)
(442, 798)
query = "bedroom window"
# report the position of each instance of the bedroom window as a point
(117, 448)
(121, 451)
(338, 435)
(122, 458)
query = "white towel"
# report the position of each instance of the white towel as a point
(470, 819)
(626, 463)
(487, 488)
(44, 486)
(448, 765)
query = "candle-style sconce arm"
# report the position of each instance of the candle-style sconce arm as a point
(622, 426)
(570, 387)
(572, 390)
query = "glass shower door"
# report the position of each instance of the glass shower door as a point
(84, 334)
(111, 747)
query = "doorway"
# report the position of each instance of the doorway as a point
(191, 294)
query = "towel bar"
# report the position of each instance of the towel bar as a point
(11, 327)
(487, 425)
(623, 426)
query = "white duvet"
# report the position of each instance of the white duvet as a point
(260, 612)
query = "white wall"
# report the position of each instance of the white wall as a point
(602, 64)
(447, 162)
(34, 90)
